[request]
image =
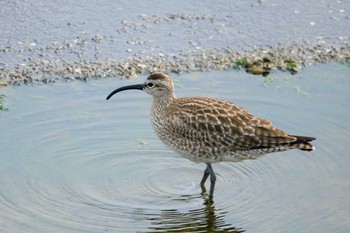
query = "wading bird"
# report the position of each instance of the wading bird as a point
(211, 130)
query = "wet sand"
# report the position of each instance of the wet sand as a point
(46, 42)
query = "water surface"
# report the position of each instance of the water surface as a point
(70, 161)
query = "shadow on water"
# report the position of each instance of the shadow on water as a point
(205, 219)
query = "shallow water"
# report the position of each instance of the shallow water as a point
(70, 161)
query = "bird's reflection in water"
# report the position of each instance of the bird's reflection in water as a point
(205, 219)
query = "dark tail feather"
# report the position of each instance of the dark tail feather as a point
(302, 143)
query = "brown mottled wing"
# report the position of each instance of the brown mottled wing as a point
(222, 123)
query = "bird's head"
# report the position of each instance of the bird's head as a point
(158, 85)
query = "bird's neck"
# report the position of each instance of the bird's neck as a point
(160, 103)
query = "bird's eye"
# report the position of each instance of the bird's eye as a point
(150, 84)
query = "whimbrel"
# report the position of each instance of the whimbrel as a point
(211, 130)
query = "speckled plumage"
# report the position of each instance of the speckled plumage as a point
(211, 130)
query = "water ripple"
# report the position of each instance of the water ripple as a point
(76, 167)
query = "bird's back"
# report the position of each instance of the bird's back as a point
(210, 130)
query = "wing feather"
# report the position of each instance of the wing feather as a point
(214, 122)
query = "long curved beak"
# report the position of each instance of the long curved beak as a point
(131, 87)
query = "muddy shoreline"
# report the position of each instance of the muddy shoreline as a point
(262, 61)
(44, 42)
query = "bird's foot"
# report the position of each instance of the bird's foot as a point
(208, 199)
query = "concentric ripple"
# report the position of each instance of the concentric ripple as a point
(71, 162)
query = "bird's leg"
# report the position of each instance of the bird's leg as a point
(212, 182)
(209, 171)
(205, 175)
